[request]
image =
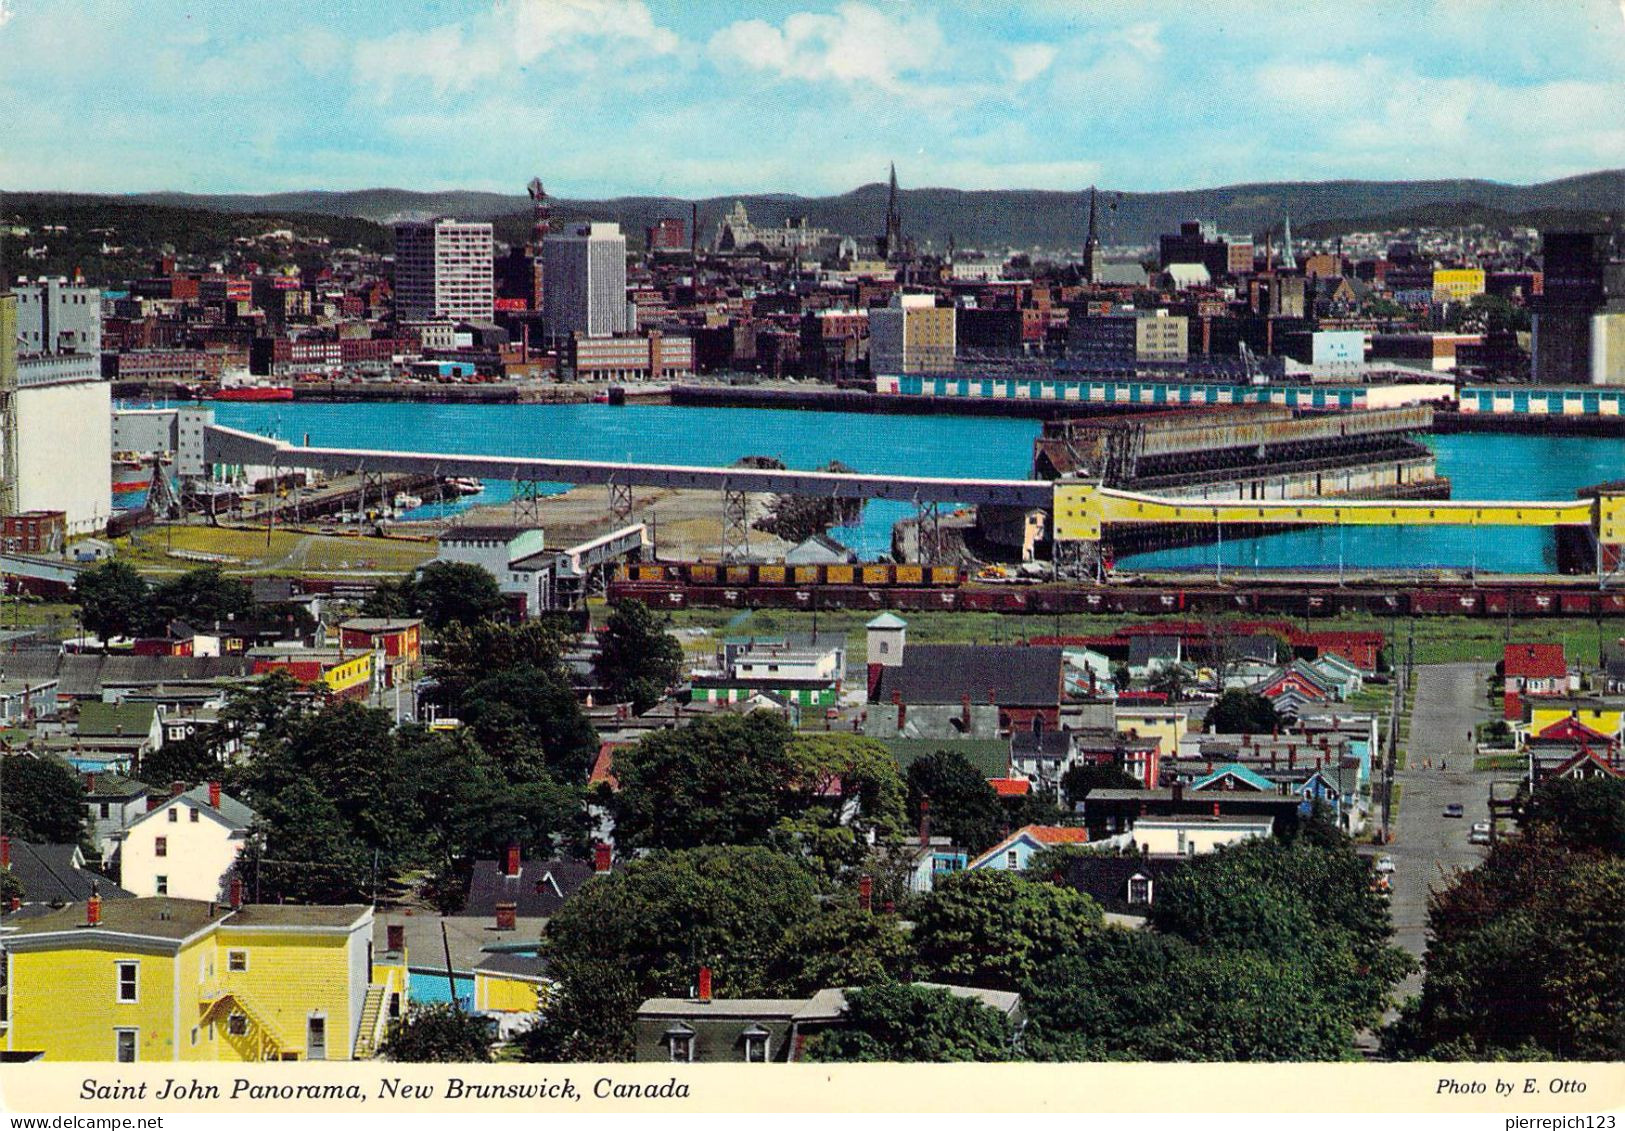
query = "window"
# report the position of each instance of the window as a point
(194, 1036)
(1139, 890)
(680, 1038)
(160, 846)
(106, 811)
(755, 1040)
(1012, 860)
(236, 961)
(124, 1043)
(162, 885)
(174, 815)
(316, 1039)
(194, 815)
(128, 983)
(237, 1025)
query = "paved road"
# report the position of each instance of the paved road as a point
(1429, 846)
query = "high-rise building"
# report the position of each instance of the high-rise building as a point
(911, 335)
(443, 271)
(585, 269)
(1578, 295)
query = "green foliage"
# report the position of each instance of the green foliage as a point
(1307, 901)
(850, 767)
(448, 593)
(464, 654)
(43, 800)
(437, 1034)
(638, 661)
(203, 595)
(902, 1023)
(963, 806)
(996, 929)
(1139, 995)
(112, 599)
(645, 931)
(1078, 782)
(391, 598)
(1241, 712)
(842, 946)
(1524, 959)
(531, 718)
(1581, 813)
(10, 888)
(725, 780)
(192, 759)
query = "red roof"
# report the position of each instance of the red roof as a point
(1011, 787)
(1055, 834)
(603, 767)
(1535, 661)
(1573, 730)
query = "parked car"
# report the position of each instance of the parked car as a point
(1454, 809)
(1385, 864)
(1480, 833)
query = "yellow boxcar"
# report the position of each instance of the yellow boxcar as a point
(739, 574)
(770, 575)
(876, 574)
(944, 575)
(701, 574)
(805, 574)
(910, 574)
(839, 574)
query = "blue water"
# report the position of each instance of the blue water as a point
(1480, 466)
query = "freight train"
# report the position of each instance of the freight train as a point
(945, 589)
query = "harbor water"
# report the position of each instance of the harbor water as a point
(1479, 465)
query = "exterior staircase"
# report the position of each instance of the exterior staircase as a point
(367, 1033)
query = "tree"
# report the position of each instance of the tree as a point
(1172, 681)
(437, 1034)
(646, 930)
(448, 593)
(964, 807)
(204, 595)
(465, 654)
(842, 946)
(194, 758)
(1242, 712)
(112, 599)
(1079, 781)
(852, 770)
(1139, 995)
(903, 1023)
(392, 597)
(304, 851)
(637, 660)
(725, 780)
(43, 800)
(531, 717)
(1584, 813)
(995, 929)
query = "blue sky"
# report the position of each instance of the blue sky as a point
(696, 97)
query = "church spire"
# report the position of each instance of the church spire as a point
(1289, 262)
(1091, 243)
(891, 244)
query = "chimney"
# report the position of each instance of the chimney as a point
(866, 893)
(214, 795)
(176, 788)
(510, 865)
(1179, 791)
(704, 993)
(1215, 808)
(964, 711)
(902, 716)
(15, 903)
(153, 801)
(507, 916)
(395, 934)
(236, 893)
(925, 820)
(5, 852)
(90, 782)
(992, 699)
(603, 858)
(93, 908)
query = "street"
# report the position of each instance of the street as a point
(1429, 846)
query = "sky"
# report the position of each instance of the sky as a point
(605, 98)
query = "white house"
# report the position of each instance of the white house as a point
(186, 846)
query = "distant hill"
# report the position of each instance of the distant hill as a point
(992, 219)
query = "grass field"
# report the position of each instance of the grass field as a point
(286, 551)
(1438, 640)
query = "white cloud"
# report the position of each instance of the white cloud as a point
(6, 13)
(855, 45)
(514, 34)
(1029, 60)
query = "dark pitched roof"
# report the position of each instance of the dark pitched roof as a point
(475, 532)
(1051, 743)
(49, 874)
(944, 673)
(539, 890)
(1105, 878)
(505, 962)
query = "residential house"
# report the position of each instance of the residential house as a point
(23, 700)
(1109, 812)
(52, 874)
(186, 845)
(806, 670)
(116, 735)
(1125, 883)
(511, 986)
(707, 1029)
(398, 640)
(112, 803)
(167, 979)
(516, 895)
(334, 671)
(1532, 671)
(958, 690)
(1605, 716)
(1196, 834)
(1015, 852)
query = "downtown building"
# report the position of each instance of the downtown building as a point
(444, 272)
(584, 268)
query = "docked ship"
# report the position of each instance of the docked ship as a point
(239, 385)
(131, 475)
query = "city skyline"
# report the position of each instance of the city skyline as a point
(627, 97)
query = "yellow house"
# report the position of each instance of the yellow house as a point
(1599, 715)
(178, 979)
(1167, 724)
(514, 984)
(1458, 284)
